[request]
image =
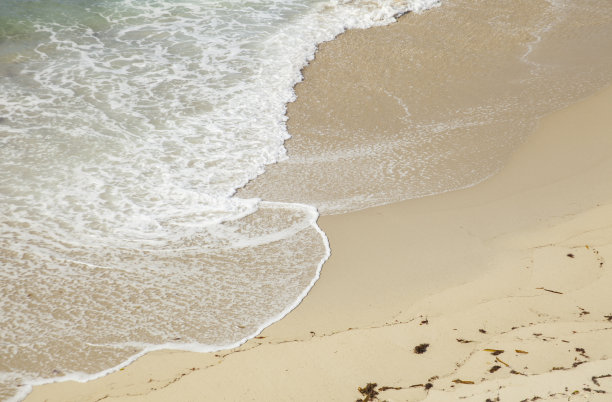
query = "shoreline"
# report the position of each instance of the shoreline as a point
(371, 307)
(458, 235)
(557, 210)
(436, 102)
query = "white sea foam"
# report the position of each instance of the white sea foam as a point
(125, 132)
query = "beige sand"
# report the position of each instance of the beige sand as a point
(518, 262)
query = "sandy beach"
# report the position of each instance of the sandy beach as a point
(499, 291)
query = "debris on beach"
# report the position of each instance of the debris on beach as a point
(595, 378)
(551, 291)
(458, 381)
(582, 352)
(385, 388)
(369, 391)
(497, 359)
(427, 386)
(422, 348)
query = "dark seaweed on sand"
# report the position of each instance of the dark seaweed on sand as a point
(369, 391)
(494, 369)
(422, 348)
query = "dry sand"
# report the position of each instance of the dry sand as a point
(520, 263)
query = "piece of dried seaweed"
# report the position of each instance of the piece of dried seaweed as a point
(494, 369)
(381, 389)
(369, 391)
(582, 352)
(422, 348)
(458, 381)
(502, 362)
(551, 291)
(595, 378)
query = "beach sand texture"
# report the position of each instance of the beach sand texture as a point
(507, 282)
(435, 102)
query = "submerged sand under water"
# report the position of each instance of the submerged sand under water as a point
(435, 102)
(70, 318)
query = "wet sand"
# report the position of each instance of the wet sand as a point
(436, 102)
(506, 282)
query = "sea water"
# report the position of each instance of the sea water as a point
(126, 126)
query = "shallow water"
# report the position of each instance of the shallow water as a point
(125, 129)
(435, 103)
